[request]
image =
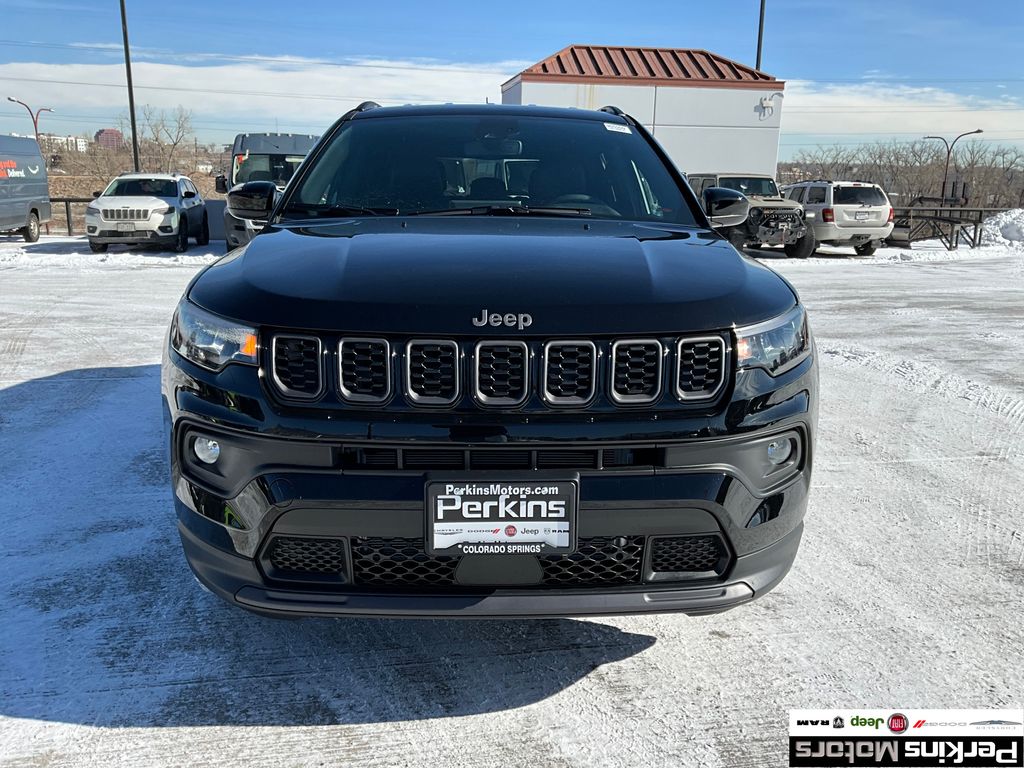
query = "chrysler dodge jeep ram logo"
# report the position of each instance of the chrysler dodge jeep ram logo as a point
(509, 319)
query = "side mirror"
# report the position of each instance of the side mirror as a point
(221, 184)
(96, 194)
(188, 194)
(725, 207)
(252, 200)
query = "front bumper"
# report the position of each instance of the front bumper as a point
(239, 581)
(289, 472)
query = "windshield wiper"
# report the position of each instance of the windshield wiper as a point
(321, 209)
(504, 210)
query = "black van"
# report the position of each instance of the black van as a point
(24, 192)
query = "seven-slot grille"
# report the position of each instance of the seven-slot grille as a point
(295, 365)
(636, 370)
(364, 370)
(501, 373)
(432, 371)
(437, 372)
(700, 367)
(569, 372)
(125, 214)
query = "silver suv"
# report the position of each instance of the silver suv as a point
(147, 209)
(845, 213)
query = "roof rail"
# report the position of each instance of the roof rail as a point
(612, 111)
(366, 105)
(809, 181)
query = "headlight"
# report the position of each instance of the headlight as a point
(776, 345)
(92, 210)
(165, 211)
(209, 340)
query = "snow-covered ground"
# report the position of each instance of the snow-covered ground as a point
(907, 593)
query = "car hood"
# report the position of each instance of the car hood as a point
(435, 275)
(136, 201)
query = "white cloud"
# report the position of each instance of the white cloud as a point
(872, 109)
(296, 91)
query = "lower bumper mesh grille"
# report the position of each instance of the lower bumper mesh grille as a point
(688, 554)
(403, 562)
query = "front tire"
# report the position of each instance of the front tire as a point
(803, 247)
(181, 243)
(97, 247)
(203, 238)
(31, 230)
(866, 249)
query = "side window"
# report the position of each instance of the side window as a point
(182, 186)
(191, 187)
(815, 195)
(797, 193)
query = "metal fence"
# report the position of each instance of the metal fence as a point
(68, 216)
(951, 226)
(65, 211)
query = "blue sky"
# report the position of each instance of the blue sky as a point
(900, 65)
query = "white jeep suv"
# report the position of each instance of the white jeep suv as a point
(844, 213)
(147, 209)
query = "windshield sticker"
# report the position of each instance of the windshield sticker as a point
(618, 128)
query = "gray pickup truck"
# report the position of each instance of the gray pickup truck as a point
(773, 219)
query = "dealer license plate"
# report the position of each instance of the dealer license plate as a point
(125, 226)
(501, 517)
(861, 215)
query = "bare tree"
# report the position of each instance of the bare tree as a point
(166, 135)
(990, 175)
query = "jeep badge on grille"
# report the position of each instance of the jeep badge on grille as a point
(521, 320)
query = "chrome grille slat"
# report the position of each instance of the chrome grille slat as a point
(295, 366)
(501, 372)
(700, 367)
(364, 369)
(570, 372)
(432, 371)
(636, 370)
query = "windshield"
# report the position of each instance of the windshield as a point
(750, 186)
(142, 188)
(276, 168)
(489, 163)
(858, 196)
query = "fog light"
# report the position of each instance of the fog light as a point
(779, 451)
(207, 450)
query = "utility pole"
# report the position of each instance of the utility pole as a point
(33, 115)
(949, 153)
(760, 36)
(131, 90)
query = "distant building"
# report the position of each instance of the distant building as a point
(50, 143)
(109, 138)
(204, 167)
(709, 113)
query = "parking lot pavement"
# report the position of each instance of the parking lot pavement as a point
(907, 591)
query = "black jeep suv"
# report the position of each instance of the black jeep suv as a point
(489, 361)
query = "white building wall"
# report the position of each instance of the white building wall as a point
(702, 129)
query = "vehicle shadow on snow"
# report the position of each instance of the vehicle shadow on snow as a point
(104, 624)
(79, 244)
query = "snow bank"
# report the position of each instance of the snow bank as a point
(64, 252)
(1006, 229)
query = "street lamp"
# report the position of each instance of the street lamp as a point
(33, 115)
(949, 152)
